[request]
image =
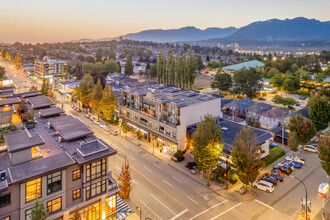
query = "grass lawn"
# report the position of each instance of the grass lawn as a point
(274, 154)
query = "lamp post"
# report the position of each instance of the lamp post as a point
(140, 209)
(306, 201)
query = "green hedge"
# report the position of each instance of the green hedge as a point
(274, 154)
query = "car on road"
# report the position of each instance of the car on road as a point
(295, 158)
(107, 129)
(263, 185)
(311, 148)
(102, 125)
(291, 107)
(261, 99)
(114, 132)
(92, 118)
(96, 122)
(87, 115)
(275, 175)
(270, 179)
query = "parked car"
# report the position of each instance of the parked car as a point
(261, 99)
(302, 98)
(311, 148)
(291, 107)
(284, 168)
(275, 175)
(107, 129)
(102, 125)
(271, 144)
(114, 132)
(87, 115)
(92, 118)
(96, 121)
(78, 109)
(270, 179)
(263, 185)
(278, 172)
(295, 158)
(287, 163)
(298, 104)
(295, 164)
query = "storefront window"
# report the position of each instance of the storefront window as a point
(90, 213)
(111, 204)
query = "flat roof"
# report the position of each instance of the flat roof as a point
(48, 112)
(70, 83)
(247, 65)
(21, 140)
(30, 94)
(40, 102)
(9, 101)
(70, 128)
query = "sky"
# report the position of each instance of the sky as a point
(64, 20)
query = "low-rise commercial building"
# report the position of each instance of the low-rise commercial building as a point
(53, 70)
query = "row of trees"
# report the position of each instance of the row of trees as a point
(109, 66)
(91, 95)
(177, 69)
(245, 81)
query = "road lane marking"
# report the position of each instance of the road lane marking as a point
(192, 200)
(206, 210)
(168, 183)
(163, 204)
(178, 215)
(118, 168)
(139, 154)
(117, 172)
(134, 181)
(202, 195)
(222, 213)
(268, 206)
(147, 169)
(131, 157)
(177, 179)
(150, 209)
(157, 166)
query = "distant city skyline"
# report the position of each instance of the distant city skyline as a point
(57, 21)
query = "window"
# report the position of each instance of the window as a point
(35, 152)
(4, 200)
(76, 174)
(54, 205)
(95, 189)
(92, 212)
(111, 204)
(28, 214)
(54, 182)
(76, 194)
(32, 189)
(6, 218)
(95, 170)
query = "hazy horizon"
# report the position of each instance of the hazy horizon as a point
(58, 21)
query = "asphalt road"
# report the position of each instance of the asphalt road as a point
(165, 193)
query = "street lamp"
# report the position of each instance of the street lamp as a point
(140, 209)
(306, 210)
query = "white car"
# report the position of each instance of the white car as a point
(102, 125)
(114, 132)
(263, 185)
(311, 148)
(92, 118)
(87, 115)
(107, 129)
(96, 121)
(295, 158)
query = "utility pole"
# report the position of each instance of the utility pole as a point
(306, 201)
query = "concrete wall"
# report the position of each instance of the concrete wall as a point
(20, 156)
(12, 209)
(72, 185)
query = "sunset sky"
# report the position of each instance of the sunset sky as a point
(65, 20)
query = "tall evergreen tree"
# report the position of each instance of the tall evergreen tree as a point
(178, 71)
(129, 66)
(108, 103)
(125, 181)
(160, 66)
(18, 60)
(86, 90)
(192, 68)
(324, 153)
(46, 88)
(97, 98)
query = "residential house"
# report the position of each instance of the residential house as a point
(272, 118)
(253, 111)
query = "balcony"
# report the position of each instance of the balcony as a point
(112, 184)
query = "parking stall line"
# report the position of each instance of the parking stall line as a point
(222, 213)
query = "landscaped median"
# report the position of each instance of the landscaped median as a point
(274, 154)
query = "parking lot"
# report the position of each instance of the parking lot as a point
(287, 195)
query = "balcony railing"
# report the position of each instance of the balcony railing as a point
(112, 183)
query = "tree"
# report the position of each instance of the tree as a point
(303, 127)
(125, 127)
(88, 68)
(111, 66)
(76, 67)
(108, 103)
(86, 90)
(247, 81)
(18, 60)
(207, 58)
(283, 101)
(294, 68)
(129, 67)
(46, 88)
(199, 61)
(22, 107)
(291, 83)
(2, 73)
(324, 153)
(293, 141)
(222, 82)
(8, 57)
(98, 55)
(125, 179)
(38, 211)
(319, 111)
(277, 81)
(272, 72)
(139, 135)
(246, 156)
(97, 98)
(207, 146)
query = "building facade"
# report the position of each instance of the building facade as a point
(53, 70)
(163, 113)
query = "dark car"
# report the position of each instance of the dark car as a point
(275, 175)
(284, 168)
(291, 107)
(278, 172)
(270, 179)
(262, 99)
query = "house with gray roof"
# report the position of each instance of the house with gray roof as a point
(238, 106)
(273, 117)
(253, 111)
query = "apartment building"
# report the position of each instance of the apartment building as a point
(53, 70)
(163, 112)
(63, 165)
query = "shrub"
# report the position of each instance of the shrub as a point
(274, 154)
(221, 180)
(178, 155)
(232, 176)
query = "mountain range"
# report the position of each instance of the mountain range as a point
(273, 30)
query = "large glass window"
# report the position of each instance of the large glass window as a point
(54, 182)
(111, 206)
(76, 174)
(4, 200)
(54, 205)
(32, 189)
(76, 194)
(95, 189)
(95, 170)
(93, 212)
(35, 152)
